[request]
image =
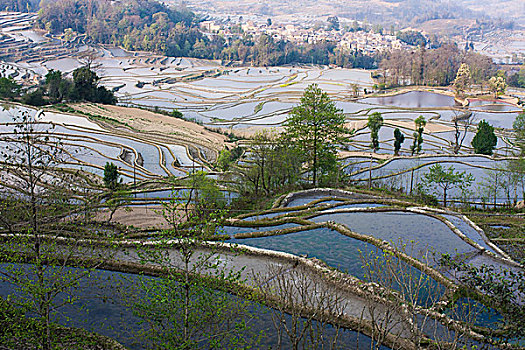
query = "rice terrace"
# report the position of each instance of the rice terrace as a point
(150, 200)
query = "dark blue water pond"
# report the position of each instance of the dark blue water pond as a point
(332, 247)
(412, 99)
(429, 233)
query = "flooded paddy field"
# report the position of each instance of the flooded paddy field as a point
(337, 231)
(85, 144)
(247, 99)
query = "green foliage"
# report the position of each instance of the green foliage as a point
(517, 79)
(205, 197)
(399, 138)
(412, 37)
(54, 85)
(9, 88)
(505, 289)
(224, 160)
(176, 114)
(34, 261)
(519, 129)
(420, 123)
(484, 142)
(192, 313)
(497, 84)
(111, 176)
(274, 163)
(375, 122)
(228, 157)
(20, 332)
(446, 179)
(115, 200)
(84, 80)
(83, 87)
(463, 78)
(316, 127)
(34, 98)
(187, 306)
(148, 25)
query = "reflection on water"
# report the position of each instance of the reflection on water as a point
(413, 99)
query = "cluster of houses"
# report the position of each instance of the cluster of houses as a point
(309, 32)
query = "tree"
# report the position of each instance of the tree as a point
(111, 176)
(519, 130)
(85, 87)
(53, 82)
(485, 141)
(420, 123)
(503, 181)
(412, 293)
(497, 85)
(224, 159)
(399, 139)
(187, 306)
(35, 197)
(176, 114)
(57, 87)
(463, 79)
(303, 306)
(504, 287)
(412, 37)
(316, 127)
(333, 22)
(115, 200)
(274, 163)
(85, 81)
(355, 90)
(203, 197)
(446, 179)
(517, 79)
(375, 122)
(9, 88)
(461, 119)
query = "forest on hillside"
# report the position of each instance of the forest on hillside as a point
(148, 25)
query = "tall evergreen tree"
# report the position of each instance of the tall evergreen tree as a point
(485, 140)
(316, 127)
(375, 122)
(399, 139)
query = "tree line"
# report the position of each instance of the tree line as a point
(435, 67)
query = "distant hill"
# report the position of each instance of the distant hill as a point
(386, 12)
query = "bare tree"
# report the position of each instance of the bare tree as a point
(36, 209)
(419, 299)
(303, 305)
(88, 59)
(463, 121)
